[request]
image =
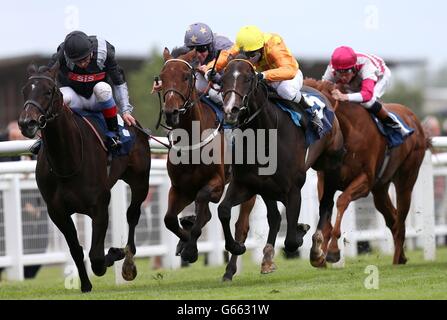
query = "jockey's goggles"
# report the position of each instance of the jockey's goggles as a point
(349, 70)
(200, 49)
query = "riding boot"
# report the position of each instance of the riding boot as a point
(34, 149)
(383, 115)
(315, 119)
(112, 126)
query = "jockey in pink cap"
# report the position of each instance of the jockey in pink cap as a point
(365, 78)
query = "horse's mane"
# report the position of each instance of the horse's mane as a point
(179, 51)
(320, 85)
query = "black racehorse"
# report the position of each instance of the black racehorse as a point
(72, 173)
(246, 104)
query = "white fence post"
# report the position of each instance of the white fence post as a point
(119, 223)
(13, 229)
(424, 204)
(215, 257)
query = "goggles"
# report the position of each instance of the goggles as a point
(200, 49)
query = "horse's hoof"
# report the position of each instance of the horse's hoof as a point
(129, 271)
(98, 267)
(267, 268)
(227, 277)
(114, 254)
(318, 262)
(291, 255)
(236, 248)
(333, 256)
(86, 287)
(190, 255)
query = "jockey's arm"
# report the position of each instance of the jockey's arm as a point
(365, 94)
(285, 62)
(120, 87)
(222, 61)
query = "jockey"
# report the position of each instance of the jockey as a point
(365, 77)
(85, 64)
(273, 61)
(200, 37)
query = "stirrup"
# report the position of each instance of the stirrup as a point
(116, 143)
(317, 123)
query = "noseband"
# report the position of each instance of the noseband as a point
(46, 115)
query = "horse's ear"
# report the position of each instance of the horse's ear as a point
(166, 54)
(32, 69)
(54, 70)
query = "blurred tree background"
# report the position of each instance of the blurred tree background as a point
(147, 105)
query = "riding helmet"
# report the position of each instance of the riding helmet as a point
(77, 46)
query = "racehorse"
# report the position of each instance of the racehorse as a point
(365, 169)
(72, 173)
(200, 182)
(246, 105)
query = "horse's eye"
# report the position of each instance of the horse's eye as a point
(185, 78)
(49, 92)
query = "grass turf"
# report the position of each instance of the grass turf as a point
(294, 279)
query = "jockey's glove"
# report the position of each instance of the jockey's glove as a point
(212, 76)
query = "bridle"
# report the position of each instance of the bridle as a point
(245, 106)
(46, 115)
(187, 102)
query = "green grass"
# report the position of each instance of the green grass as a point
(294, 279)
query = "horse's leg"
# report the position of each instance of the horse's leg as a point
(190, 252)
(176, 203)
(357, 189)
(139, 188)
(241, 232)
(321, 236)
(67, 227)
(236, 194)
(100, 222)
(404, 187)
(383, 203)
(274, 221)
(212, 192)
(293, 207)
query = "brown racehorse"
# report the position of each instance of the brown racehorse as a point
(364, 170)
(246, 104)
(72, 174)
(199, 182)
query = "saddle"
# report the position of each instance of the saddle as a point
(301, 107)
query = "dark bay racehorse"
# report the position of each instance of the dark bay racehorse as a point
(72, 175)
(364, 170)
(191, 181)
(246, 104)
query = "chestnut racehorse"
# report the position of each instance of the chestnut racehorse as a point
(366, 169)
